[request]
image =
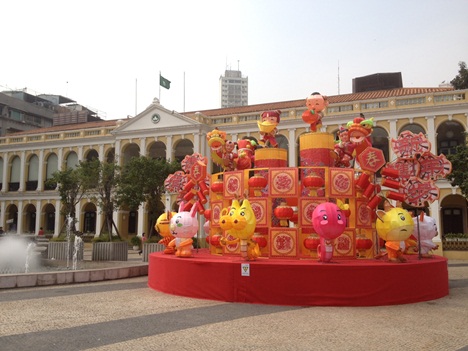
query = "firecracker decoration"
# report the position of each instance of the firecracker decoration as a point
(418, 170)
(192, 183)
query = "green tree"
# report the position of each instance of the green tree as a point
(72, 184)
(105, 178)
(461, 80)
(142, 181)
(459, 175)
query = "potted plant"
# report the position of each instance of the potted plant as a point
(450, 237)
(136, 242)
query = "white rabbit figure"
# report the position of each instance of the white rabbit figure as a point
(184, 225)
(427, 231)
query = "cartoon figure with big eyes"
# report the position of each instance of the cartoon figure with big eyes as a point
(184, 226)
(329, 223)
(394, 226)
(267, 127)
(315, 103)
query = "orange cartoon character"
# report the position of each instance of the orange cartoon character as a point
(162, 226)
(267, 127)
(315, 103)
(394, 226)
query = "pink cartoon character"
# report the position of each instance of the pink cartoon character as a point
(184, 225)
(315, 103)
(329, 223)
(427, 231)
(267, 127)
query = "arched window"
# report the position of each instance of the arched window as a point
(379, 139)
(51, 168)
(414, 128)
(183, 148)
(450, 134)
(72, 160)
(1, 173)
(157, 150)
(15, 174)
(92, 155)
(33, 173)
(132, 150)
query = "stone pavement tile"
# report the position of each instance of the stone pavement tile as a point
(127, 315)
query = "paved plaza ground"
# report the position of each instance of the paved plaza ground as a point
(127, 315)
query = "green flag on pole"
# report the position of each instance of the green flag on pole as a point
(164, 82)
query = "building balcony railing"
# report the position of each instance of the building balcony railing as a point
(13, 186)
(31, 185)
(48, 186)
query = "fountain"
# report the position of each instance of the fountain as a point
(21, 265)
(17, 255)
(77, 246)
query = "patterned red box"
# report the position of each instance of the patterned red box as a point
(341, 182)
(363, 214)
(307, 207)
(344, 246)
(284, 182)
(262, 211)
(216, 208)
(233, 184)
(283, 242)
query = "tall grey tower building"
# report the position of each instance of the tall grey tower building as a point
(234, 89)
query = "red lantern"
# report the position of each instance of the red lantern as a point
(257, 183)
(217, 187)
(283, 212)
(260, 240)
(362, 245)
(295, 217)
(311, 242)
(214, 240)
(207, 214)
(313, 182)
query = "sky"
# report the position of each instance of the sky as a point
(108, 55)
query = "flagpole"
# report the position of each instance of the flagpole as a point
(159, 86)
(184, 92)
(136, 95)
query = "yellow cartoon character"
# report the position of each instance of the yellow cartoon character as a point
(394, 226)
(162, 226)
(240, 222)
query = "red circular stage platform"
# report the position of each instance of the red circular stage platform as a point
(299, 282)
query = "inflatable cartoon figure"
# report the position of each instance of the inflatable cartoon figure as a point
(394, 226)
(315, 103)
(184, 225)
(222, 150)
(344, 149)
(360, 130)
(267, 127)
(162, 226)
(245, 153)
(229, 156)
(329, 223)
(239, 221)
(427, 231)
